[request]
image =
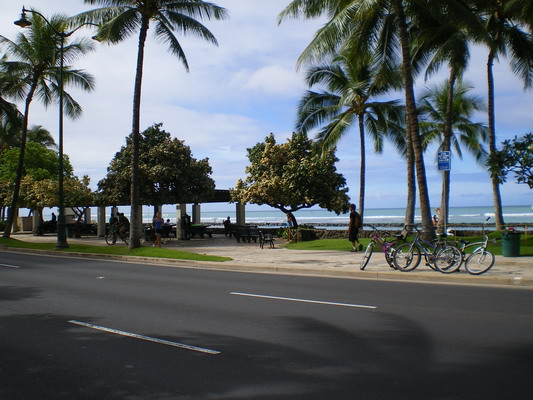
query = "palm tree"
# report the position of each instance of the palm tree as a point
(37, 70)
(509, 25)
(353, 85)
(120, 19)
(38, 134)
(10, 116)
(435, 112)
(436, 42)
(383, 27)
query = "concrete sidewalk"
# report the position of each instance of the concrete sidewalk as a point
(515, 271)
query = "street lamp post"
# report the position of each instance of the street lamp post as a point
(23, 22)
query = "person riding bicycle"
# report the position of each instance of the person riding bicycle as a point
(122, 225)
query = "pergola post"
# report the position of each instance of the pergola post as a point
(196, 213)
(100, 226)
(181, 210)
(240, 213)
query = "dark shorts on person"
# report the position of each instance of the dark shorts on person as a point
(159, 231)
(352, 235)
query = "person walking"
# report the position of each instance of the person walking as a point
(355, 223)
(157, 225)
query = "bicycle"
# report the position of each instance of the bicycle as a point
(480, 260)
(113, 233)
(439, 255)
(387, 247)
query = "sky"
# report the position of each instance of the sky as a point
(238, 92)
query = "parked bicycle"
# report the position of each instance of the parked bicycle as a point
(439, 255)
(480, 260)
(113, 233)
(387, 247)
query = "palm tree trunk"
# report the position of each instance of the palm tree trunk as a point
(412, 120)
(20, 168)
(411, 181)
(362, 181)
(498, 213)
(135, 223)
(446, 145)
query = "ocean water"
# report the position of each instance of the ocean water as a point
(513, 215)
(458, 215)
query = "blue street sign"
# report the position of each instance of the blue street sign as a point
(444, 160)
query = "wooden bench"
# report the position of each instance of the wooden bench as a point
(199, 230)
(245, 233)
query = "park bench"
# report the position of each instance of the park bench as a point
(246, 233)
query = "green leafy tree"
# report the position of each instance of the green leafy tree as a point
(167, 171)
(292, 176)
(353, 87)
(40, 165)
(32, 60)
(515, 156)
(38, 194)
(120, 19)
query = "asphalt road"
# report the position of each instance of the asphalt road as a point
(84, 329)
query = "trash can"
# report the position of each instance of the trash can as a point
(147, 235)
(511, 244)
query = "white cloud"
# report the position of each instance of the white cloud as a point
(271, 80)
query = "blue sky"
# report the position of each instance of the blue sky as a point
(237, 93)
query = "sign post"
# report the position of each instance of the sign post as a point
(444, 159)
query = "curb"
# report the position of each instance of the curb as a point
(420, 277)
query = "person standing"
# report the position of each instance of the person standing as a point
(157, 225)
(289, 225)
(355, 223)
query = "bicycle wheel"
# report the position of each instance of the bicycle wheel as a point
(407, 257)
(111, 238)
(448, 259)
(389, 254)
(367, 255)
(479, 262)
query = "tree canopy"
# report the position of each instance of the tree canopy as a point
(168, 174)
(291, 176)
(515, 156)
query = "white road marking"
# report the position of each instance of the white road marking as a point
(9, 266)
(304, 300)
(142, 337)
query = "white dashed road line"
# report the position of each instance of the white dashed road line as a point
(142, 337)
(304, 300)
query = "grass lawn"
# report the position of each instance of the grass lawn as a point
(495, 244)
(115, 250)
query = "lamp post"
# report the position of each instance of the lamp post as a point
(23, 22)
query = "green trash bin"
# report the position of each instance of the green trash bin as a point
(511, 244)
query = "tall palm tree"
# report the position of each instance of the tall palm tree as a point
(119, 19)
(439, 41)
(382, 26)
(353, 86)
(37, 70)
(435, 111)
(509, 25)
(10, 116)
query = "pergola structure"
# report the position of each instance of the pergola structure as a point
(219, 196)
